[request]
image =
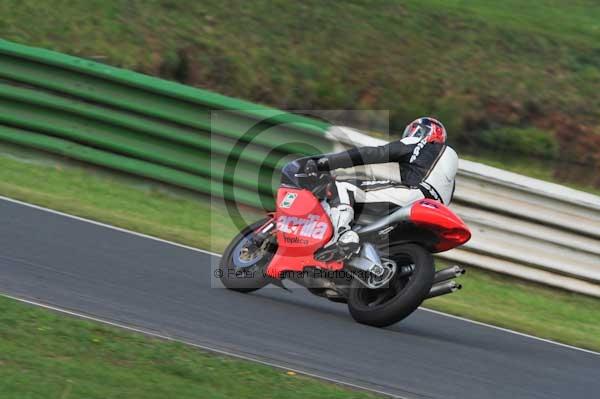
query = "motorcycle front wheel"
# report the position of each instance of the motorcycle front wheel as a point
(402, 296)
(242, 267)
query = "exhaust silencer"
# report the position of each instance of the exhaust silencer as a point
(448, 273)
(443, 289)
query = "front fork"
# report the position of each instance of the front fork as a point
(259, 239)
(266, 230)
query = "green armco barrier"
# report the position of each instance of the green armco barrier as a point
(149, 127)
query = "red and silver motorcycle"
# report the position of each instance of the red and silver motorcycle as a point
(382, 282)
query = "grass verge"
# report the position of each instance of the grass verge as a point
(496, 299)
(47, 355)
(527, 307)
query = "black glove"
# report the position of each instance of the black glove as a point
(323, 164)
(311, 168)
(313, 177)
(311, 174)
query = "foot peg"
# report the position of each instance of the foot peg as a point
(347, 245)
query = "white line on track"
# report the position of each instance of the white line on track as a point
(479, 323)
(108, 226)
(206, 348)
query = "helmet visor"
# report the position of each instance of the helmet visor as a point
(417, 129)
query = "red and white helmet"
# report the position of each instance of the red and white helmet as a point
(426, 127)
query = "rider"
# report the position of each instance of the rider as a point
(423, 167)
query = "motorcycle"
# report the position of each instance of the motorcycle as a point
(383, 281)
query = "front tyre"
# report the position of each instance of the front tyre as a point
(242, 267)
(386, 306)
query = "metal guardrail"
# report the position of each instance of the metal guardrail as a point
(149, 127)
(521, 226)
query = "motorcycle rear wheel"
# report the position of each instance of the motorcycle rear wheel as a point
(244, 274)
(386, 306)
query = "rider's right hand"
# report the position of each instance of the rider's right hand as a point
(311, 169)
(312, 177)
(323, 164)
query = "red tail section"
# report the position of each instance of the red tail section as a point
(436, 217)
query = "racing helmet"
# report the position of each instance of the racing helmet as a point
(426, 127)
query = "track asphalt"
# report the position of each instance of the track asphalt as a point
(166, 289)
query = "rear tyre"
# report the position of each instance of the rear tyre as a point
(386, 306)
(240, 270)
